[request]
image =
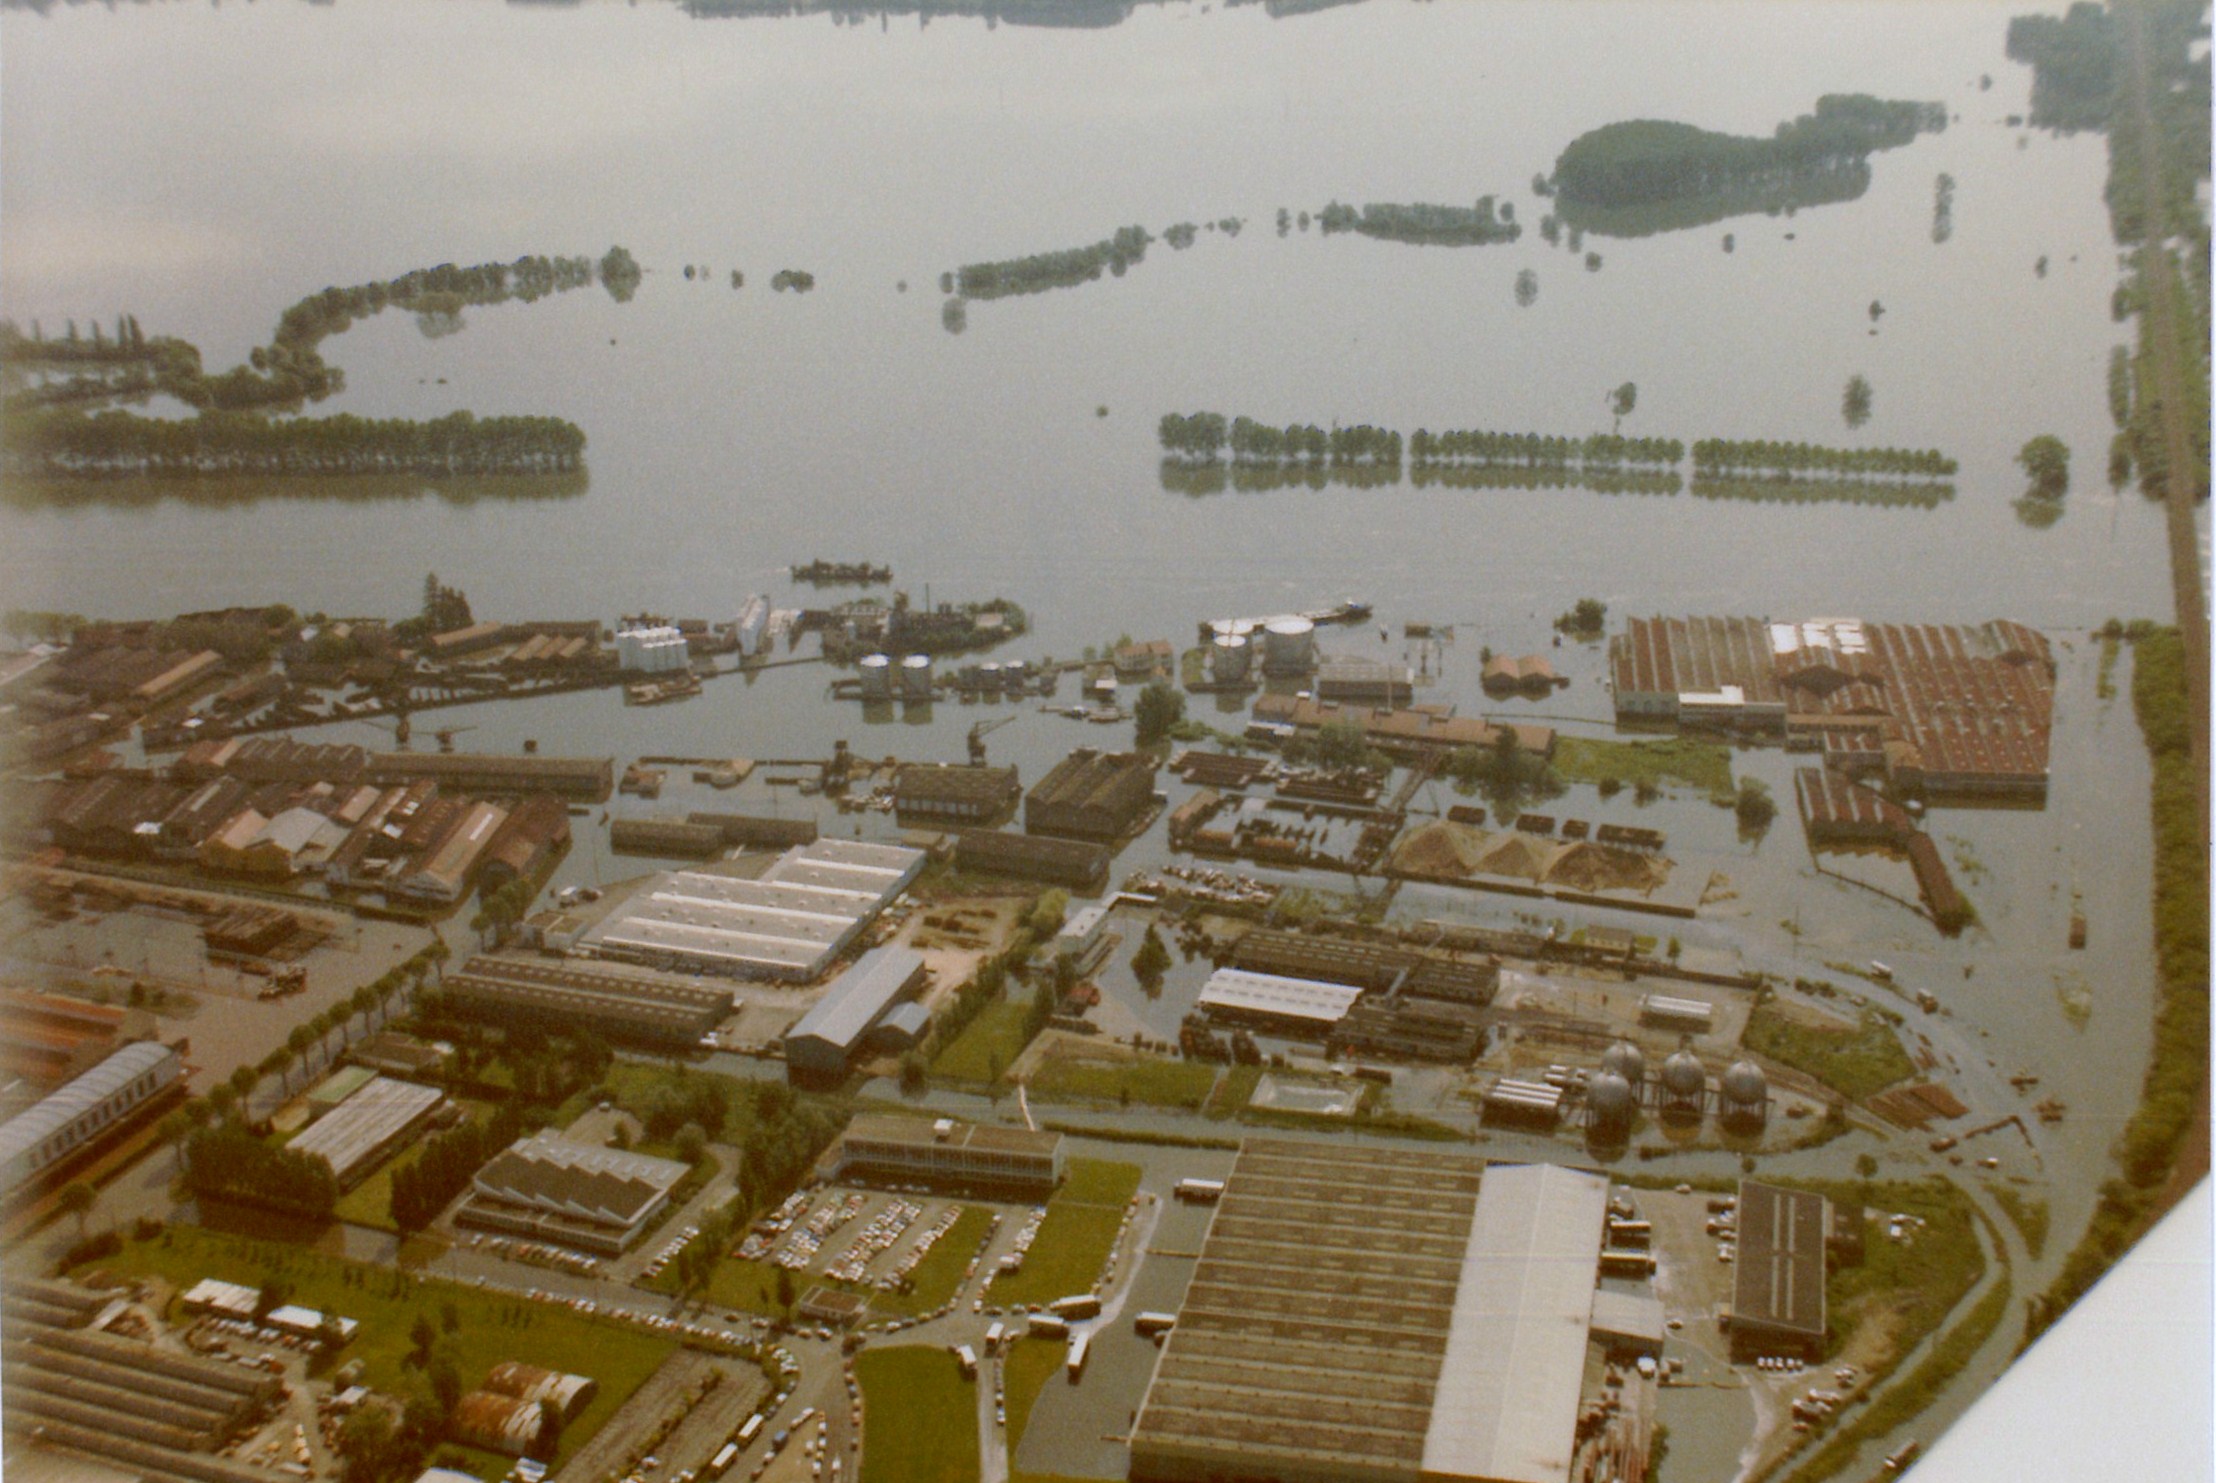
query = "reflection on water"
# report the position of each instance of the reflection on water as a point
(246, 490)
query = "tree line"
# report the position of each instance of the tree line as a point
(421, 1189)
(1760, 457)
(1425, 222)
(1044, 270)
(223, 1161)
(67, 443)
(1540, 450)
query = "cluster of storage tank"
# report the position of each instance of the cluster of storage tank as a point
(883, 678)
(1615, 1093)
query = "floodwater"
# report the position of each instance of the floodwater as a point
(202, 167)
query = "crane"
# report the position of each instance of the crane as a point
(983, 729)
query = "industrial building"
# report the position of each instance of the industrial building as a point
(1375, 1314)
(564, 995)
(1076, 864)
(1933, 708)
(931, 793)
(50, 1038)
(969, 1158)
(567, 1394)
(497, 1423)
(584, 779)
(572, 1194)
(148, 1411)
(789, 923)
(758, 831)
(373, 1121)
(652, 651)
(824, 1044)
(1356, 680)
(1778, 1279)
(1407, 731)
(448, 871)
(85, 1111)
(1091, 794)
(1371, 965)
(666, 839)
(1295, 1006)
(536, 830)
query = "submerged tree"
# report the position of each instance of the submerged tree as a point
(1527, 288)
(1855, 405)
(2046, 459)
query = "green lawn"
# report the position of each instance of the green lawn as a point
(370, 1202)
(632, 1081)
(1701, 765)
(940, 1272)
(1074, 1240)
(386, 1303)
(988, 1047)
(919, 1416)
(1151, 1082)
(1233, 1093)
(1859, 1062)
(1024, 1373)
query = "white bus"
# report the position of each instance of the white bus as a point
(723, 1459)
(1150, 1324)
(1200, 1191)
(994, 1337)
(748, 1432)
(1084, 1305)
(1079, 1348)
(966, 1357)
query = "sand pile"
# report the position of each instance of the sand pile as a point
(1441, 849)
(1599, 867)
(1518, 855)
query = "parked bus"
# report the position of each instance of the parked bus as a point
(748, 1432)
(1084, 1305)
(1047, 1326)
(1200, 1191)
(994, 1337)
(1150, 1324)
(966, 1357)
(723, 1459)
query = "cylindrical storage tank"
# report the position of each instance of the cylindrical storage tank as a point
(1683, 1077)
(990, 676)
(1611, 1101)
(1228, 657)
(1288, 646)
(1231, 628)
(1745, 1086)
(1016, 672)
(877, 677)
(915, 677)
(1625, 1060)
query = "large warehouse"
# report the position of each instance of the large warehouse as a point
(1374, 1314)
(825, 1041)
(789, 923)
(86, 1110)
(375, 1119)
(1778, 1282)
(573, 1194)
(567, 995)
(1293, 1006)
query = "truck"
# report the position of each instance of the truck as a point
(1083, 1305)
(1080, 1348)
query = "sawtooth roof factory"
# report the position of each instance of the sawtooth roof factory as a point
(1375, 1314)
(1939, 708)
(789, 923)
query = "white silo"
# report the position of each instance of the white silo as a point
(990, 677)
(1228, 657)
(877, 677)
(1288, 646)
(915, 677)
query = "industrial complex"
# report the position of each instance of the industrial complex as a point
(1358, 1313)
